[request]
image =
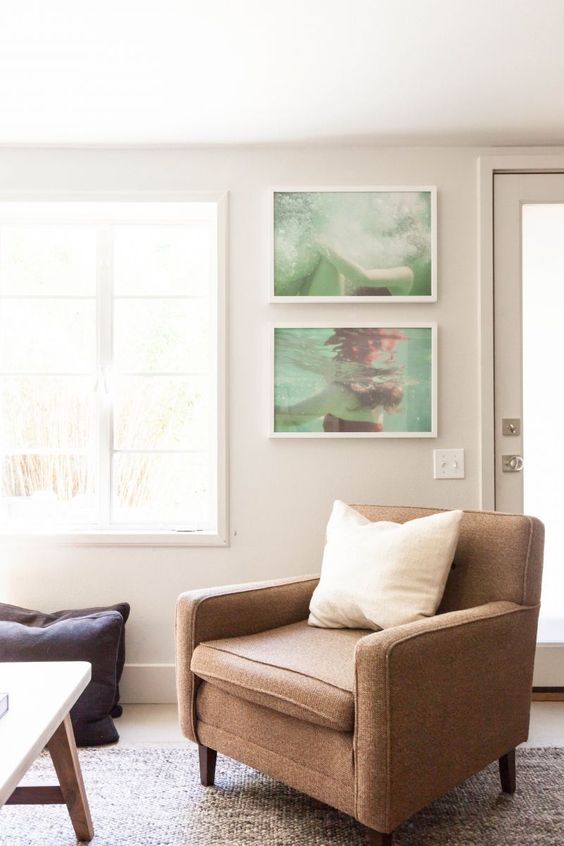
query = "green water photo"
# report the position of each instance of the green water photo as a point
(354, 243)
(375, 380)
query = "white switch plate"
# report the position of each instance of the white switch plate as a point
(448, 463)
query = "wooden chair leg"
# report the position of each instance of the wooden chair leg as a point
(377, 838)
(208, 758)
(507, 772)
(62, 748)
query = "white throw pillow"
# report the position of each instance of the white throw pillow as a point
(382, 574)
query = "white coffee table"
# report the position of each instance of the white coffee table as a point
(41, 696)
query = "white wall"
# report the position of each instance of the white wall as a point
(280, 490)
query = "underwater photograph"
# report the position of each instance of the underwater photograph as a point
(349, 244)
(355, 381)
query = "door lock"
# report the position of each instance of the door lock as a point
(511, 426)
(512, 463)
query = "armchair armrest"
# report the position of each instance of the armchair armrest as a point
(436, 701)
(231, 611)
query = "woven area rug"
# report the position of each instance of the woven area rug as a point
(151, 796)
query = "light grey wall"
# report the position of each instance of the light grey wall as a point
(280, 490)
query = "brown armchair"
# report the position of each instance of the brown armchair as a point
(376, 724)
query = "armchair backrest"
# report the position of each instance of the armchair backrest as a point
(499, 556)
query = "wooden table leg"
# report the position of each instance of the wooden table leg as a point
(62, 748)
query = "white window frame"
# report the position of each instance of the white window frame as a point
(149, 536)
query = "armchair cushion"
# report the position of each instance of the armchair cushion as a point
(384, 574)
(298, 670)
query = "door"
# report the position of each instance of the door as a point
(529, 380)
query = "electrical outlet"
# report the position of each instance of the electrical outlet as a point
(448, 463)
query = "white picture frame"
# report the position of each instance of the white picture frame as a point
(315, 427)
(418, 273)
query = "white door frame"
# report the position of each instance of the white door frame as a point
(488, 166)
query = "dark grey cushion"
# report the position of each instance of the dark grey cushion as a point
(28, 617)
(94, 638)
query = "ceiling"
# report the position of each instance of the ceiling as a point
(281, 71)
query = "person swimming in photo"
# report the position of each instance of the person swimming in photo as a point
(338, 244)
(358, 394)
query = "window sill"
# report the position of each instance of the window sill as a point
(116, 538)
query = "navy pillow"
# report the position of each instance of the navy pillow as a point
(94, 638)
(15, 614)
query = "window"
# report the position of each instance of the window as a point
(109, 377)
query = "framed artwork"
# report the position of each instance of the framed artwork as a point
(366, 380)
(354, 245)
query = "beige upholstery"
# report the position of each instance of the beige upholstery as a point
(298, 670)
(315, 760)
(376, 724)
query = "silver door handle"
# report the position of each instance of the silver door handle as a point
(512, 463)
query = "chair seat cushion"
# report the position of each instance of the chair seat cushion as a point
(298, 670)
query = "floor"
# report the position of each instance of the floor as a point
(158, 724)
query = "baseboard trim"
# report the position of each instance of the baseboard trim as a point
(549, 661)
(548, 694)
(153, 684)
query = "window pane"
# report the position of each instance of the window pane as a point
(155, 412)
(47, 412)
(51, 260)
(543, 403)
(69, 366)
(156, 260)
(48, 336)
(161, 336)
(47, 490)
(169, 489)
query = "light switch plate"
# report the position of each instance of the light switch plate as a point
(448, 463)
